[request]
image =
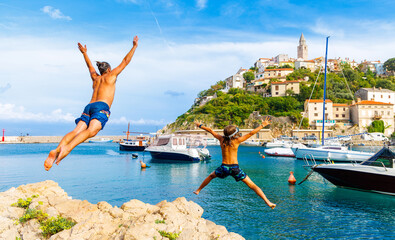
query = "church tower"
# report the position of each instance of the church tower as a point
(302, 48)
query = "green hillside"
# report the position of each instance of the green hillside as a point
(236, 106)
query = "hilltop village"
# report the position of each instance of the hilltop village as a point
(360, 97)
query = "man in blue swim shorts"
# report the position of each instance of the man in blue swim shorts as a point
(97, 112)
(230, 143)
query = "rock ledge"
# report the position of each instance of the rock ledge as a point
(133, 220)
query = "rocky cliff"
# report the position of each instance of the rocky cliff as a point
(180, 219)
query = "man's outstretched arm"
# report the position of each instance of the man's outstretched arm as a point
(92, 70)
(207, 129)
(248, 135)
(127, 58)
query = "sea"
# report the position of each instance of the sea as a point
(316, 209)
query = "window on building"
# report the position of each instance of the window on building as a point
(276, 87)
(257, 135)
(276, 93)
(343, 115)
(315, 114)
(315, 108)
(337, 115)
(292, 88)
(337, 109)
(381, 96)
(389, 113)
(344, 109)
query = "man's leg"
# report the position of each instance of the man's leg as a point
(258, 191)
(205, 182)
(53, 154)
(91, 131)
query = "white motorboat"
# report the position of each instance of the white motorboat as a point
(138, 144)
(276, 143)
(285, 151)
(377, 174)
(173, 147)
(212, 142)
(251, 142)
(332, 153)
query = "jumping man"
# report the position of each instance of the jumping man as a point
(97, 112)
(229, 146)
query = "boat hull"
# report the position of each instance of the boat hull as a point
(161, 155)
(332, 155)
(356, 177)
(131, 148)
(280, 152)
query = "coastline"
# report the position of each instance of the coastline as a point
(51, 139)
(119, 138)
(133, 220)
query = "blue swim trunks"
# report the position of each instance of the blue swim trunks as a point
(96, 110)
(230, 169)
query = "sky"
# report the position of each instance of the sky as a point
(184, 48)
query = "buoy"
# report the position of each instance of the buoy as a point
(263, 156)
(291, 179)
(143, 165)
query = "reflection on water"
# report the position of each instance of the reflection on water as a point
(314, 210)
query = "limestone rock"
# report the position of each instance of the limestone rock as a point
(134, 220)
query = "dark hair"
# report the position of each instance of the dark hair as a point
(229, 130)
(102, 66)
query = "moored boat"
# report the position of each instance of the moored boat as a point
(173, 147)
(377, 174)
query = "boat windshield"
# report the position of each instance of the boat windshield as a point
(383, 161)
(162, 142)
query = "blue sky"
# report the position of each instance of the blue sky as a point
(185, 46)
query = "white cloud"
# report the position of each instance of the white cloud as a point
(13, 112)
(201, 4)
(141, 121)
(55, 13)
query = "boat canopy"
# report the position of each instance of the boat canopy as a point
(385, 155)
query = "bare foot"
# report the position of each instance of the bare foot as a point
(196, 192)
(272, 205)
(50, 159)
(63, 153)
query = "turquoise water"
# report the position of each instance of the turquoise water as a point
(314, 210)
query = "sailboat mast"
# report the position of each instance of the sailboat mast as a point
(323, 116)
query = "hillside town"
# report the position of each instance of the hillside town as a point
(268, 77)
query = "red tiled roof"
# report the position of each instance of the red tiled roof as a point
(340, 105)
(285, 82)
(368, 102)
(318, 100)
(280, 69)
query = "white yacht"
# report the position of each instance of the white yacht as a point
(173, 147)
(285, 151)
(377, 174)
(332, 153)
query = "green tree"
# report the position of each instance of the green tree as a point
(384, 83)
(248, 76)
(376, 126)
(390, 65)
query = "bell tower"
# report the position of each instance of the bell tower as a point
(302, 48)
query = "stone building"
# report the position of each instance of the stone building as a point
(314, 110)
(279, 89)
(376, 94)
(341, 113)
(302, 48)
(364, 112)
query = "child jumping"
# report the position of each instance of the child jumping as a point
(229, 145)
